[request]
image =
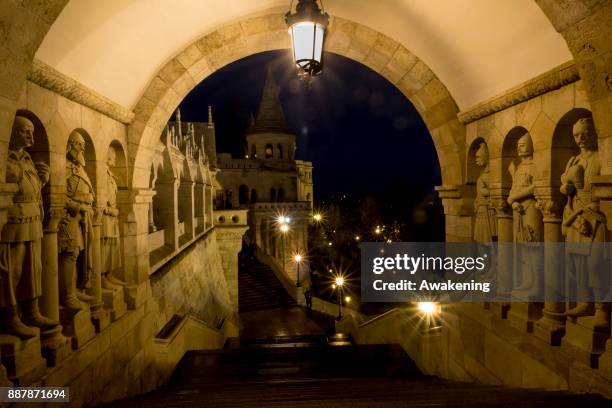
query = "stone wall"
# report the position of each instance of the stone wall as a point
(133, 354)
(475, 345)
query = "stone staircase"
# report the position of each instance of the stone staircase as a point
(321, 371)
(258, 287)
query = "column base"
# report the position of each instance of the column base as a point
(99, 317)
(522, 315)
(55, 346)
(583, 342)
(114, 303)
(77, 326)
(550, 328)
(22, 359)
(135, 295)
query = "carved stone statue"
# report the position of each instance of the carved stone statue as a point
(584, 224)
(111, 250)
(528, 226)
(75, 233)
(485, 223)
(20, 241)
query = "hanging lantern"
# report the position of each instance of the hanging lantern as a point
(307, 29)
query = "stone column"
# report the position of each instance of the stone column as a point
(229, 239)
(551, 327)
(133, 223)
(56, 347)
(187, 196)
(602, 188)
(99, 315)
(505, 259)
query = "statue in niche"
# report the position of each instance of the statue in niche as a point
(485, 223)
(528, 226)
(110, 245)
(20, 241)
(75, 234)
(584, 226)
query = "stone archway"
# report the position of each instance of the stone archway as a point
(269, 32)
(584, 24)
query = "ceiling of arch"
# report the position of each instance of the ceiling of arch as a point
(478, 48)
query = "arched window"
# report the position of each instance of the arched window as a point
(269, 151)
(253, 195)
(243, 195)
(272, 195)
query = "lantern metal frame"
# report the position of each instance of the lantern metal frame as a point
(307, 11)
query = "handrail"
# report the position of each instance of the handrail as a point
(379, 317)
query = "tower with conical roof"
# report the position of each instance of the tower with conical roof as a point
(269, 137)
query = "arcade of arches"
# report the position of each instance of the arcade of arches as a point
(130, 227)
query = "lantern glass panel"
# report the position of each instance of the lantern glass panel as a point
(307, 40)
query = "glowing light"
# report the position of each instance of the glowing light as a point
(389, 241)
(317, 217)
(288, 220)
(281, 219)
(339, 281)
(334, 286)
(329, 244)
(297, 258)
(284, 228)
(428, 308)
(347, 299)
(357, 237)
(330, 270)
(377, 230)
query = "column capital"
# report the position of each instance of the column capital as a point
(457, 199)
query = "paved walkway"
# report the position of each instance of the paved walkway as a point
(287, 321)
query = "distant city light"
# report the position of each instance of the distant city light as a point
(329, 244)
(347, 299)
(339, 281)
(357, 237)
(317, 217)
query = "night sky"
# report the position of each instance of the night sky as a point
(362, 135)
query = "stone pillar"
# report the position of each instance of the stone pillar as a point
(602, 188)
(505, 259)
(133, 222)
(186, 196)
(551, 327)
(56, 347)
(99, 315)
(229, 239)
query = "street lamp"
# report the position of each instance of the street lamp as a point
(307, 29)
(298, 260)
(284, 228)
(339, 283)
